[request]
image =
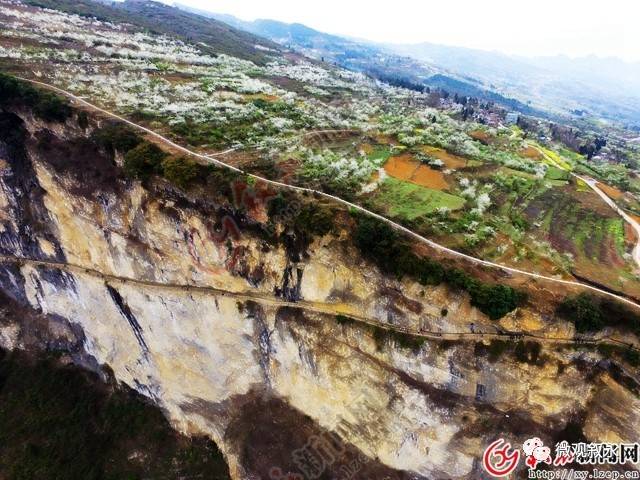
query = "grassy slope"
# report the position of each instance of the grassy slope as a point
(408, 201)
(163, 19)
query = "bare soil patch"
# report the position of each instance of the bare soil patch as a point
(531, 152)
(449, 159)
(405, 167)
(611, 192)
(481, 136)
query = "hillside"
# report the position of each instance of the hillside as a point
(600, 87)
(552, 87)
(282, 255)
(238, 337)
(368, 58)
(446, 167)
(160, 18)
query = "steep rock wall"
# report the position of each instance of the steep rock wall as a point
(259, 374)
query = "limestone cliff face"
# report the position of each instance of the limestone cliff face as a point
(236, 336)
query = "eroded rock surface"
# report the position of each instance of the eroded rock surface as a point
(255, 358)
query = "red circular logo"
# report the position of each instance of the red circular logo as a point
(500, 459)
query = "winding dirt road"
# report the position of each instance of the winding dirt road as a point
(593, 184)
(318, 307)
(391, 223)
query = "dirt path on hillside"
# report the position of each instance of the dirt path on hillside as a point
(628, 218)
(593, 185)
(320, 308)
(392, 224)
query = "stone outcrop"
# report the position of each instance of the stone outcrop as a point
(237, 338)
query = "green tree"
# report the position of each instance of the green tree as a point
(46, 105)
(315, 219)
(583, 311)
(143, 161)
(180, 171)
(116, 136)
(495, 301)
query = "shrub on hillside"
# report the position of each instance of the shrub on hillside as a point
(315, 219)
(279, 204)
(632, 357)
(426, 271)
(220, 179)
(51, 107)
(583, 311)
(408, 342)
(493, 300)
(343, 320)
(116, 136)
(83, 120)
(590, 314)
(143, 161)
(180, 171)
(527, 352)
(46, 105)
(381, 244)
(494, 350)
(615, 313)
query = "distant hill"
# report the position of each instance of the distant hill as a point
(319, 45)
(604, 87)
(213, 36)
(374, 60)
